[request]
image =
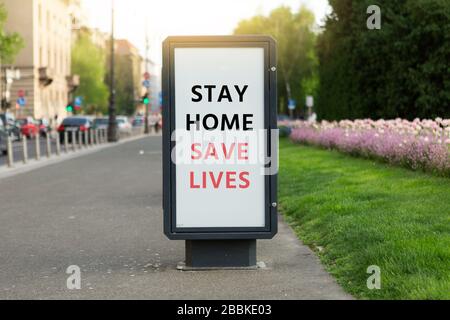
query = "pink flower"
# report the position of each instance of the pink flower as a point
(416, 145)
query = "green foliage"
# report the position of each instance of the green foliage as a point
(297, 61)
(401, 70)
(284, 131)
(88, 61)
(127, 80)
(125, 85)
(10, 44)
(356, 213)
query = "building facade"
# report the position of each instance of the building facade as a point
(45, 60)
(100, 38)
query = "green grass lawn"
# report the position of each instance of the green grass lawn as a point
(356, 213)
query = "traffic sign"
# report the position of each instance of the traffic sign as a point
(310, 101)
(21, 101)
(292, 104)
(146, 84)
(78, 101)
(216, 187)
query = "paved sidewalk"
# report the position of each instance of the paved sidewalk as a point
(102, 212)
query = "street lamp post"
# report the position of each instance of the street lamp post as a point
(112, 127)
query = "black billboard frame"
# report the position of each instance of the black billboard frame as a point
(270, 123)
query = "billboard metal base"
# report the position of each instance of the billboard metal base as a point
(220, 254)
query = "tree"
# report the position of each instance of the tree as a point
(297, 61)
(10, 43)
(125, 85)
(127, 76)
(88, 61)
(400, 70)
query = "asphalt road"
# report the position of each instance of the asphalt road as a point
(102, 212)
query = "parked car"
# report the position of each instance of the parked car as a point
(44, 127)
(124, 125)
(14, 131)
(10, 126)
(101, 123)
(138, 122)
(3, 138)
(28, 127)
(75, 124)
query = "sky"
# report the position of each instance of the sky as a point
(183, 17)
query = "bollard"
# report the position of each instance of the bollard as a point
(86, 136)
(80, 139)
(58, 145)
(74, 148)
(38, 147)
(25, 149)
(10, 151)
(96, 136)
(66, 142)
(91, 137)
(49, 146)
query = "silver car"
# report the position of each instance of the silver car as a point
(124, 124)
(101, 123)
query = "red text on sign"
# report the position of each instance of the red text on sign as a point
(219, 152)
(228, 179)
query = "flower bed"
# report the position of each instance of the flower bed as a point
(418, 144)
